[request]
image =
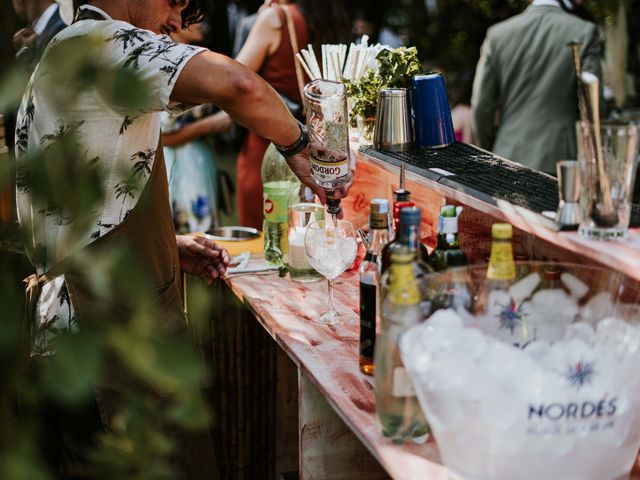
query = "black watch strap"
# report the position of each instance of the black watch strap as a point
(297, 146)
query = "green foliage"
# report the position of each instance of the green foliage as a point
(67, 379)
(449, 37)
(395, 69)
(124, 338)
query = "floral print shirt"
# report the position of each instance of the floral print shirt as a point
(119, 141)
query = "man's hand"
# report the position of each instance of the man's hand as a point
(201, 256)
(301, 166)
(25, 37)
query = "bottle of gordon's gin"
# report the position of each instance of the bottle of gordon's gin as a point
(327, 123)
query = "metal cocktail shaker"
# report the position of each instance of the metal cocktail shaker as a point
(568, 215)
(393, 130)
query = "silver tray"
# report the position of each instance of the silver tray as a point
(232, 234)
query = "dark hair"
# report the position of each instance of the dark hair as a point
(327, 21)
(196, 11)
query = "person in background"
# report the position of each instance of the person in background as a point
(236, 11)
(370, 23)
(191, 166)
(461, 110)
(524, 100)
(244, 26)
(268, 51)
(44, 22)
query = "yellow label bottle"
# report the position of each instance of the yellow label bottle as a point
(501, 263)
(398, 412)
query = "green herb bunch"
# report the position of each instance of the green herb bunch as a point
(396, 67)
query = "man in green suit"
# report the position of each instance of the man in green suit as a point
(525, 92)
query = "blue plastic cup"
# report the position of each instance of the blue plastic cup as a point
(431, 113)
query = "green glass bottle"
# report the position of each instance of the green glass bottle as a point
(277, 183)
(447, 252)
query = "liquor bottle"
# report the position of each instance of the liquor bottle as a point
(451, 289)
(370, 282)
(401, 200)
(398, 412)
(496, 309)
(277, 182)
(551, 278)
(327, 124)
(502, 267)
(303, 210)
(447, 252)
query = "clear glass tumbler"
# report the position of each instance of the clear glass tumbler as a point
(607, 179)
(303, 210)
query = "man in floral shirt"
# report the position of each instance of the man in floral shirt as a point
(122, 142)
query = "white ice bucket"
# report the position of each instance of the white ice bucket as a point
(542, 381)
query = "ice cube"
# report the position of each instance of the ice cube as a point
(548, 314)
(576, 286)
(555, 299)
(501, 361)
(471, 344)
(537, 350)
(414, 347)
(582, 331)
(522, 289)
(598, 307)
(447, 318)
(612, 333)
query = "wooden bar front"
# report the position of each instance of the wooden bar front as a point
(318, 418)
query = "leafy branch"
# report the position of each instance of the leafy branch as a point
(396, 67)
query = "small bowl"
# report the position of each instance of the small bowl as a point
(232, 234)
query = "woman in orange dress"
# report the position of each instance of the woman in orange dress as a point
(268, 51)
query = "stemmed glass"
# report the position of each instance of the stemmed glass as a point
(331, 249)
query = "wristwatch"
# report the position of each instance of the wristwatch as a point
(297, 146)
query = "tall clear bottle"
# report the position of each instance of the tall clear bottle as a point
(399, 415)
(370, 282)
(496, 307)
(402, 290)
(328, 126)
(277, 183)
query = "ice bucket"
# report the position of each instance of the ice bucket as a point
(536, 380)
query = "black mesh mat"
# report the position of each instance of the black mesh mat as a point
(482, 174)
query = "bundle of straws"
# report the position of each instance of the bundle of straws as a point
(337, 65)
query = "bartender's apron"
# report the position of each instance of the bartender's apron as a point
(147, 233)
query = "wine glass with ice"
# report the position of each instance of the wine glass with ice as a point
(331, 248)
